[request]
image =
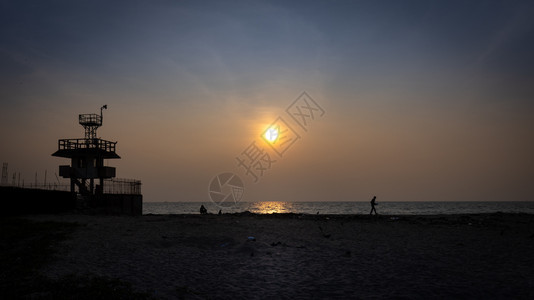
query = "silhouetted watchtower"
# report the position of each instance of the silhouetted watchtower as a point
(87, 157)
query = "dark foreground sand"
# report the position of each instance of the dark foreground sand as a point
(294, 256)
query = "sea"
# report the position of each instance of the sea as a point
(385, 208)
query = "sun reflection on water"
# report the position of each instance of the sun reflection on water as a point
(271, 207)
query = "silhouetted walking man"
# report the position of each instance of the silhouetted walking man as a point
(373, 203)
(203, 210)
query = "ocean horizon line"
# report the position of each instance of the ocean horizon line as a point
(355, 201)
(344, 207)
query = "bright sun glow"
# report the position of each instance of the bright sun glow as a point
(271, 134)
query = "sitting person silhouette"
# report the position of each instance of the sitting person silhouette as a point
(203, 210)
(373, 203)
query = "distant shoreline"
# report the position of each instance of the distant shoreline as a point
(344, 208)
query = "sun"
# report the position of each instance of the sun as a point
(271, 134)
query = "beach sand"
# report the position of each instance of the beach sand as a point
(304, 256)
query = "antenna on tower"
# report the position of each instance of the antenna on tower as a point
(102, 108)
(91, 122)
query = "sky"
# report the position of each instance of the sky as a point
(421, 100)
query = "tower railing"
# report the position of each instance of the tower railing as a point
(74, 144)
(111, 186)
(122, 186)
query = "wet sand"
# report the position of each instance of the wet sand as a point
(305, 256)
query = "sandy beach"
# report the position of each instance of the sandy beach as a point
(237, 256)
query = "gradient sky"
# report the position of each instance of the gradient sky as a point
(424, 100)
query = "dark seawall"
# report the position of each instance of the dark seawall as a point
(22, 201)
